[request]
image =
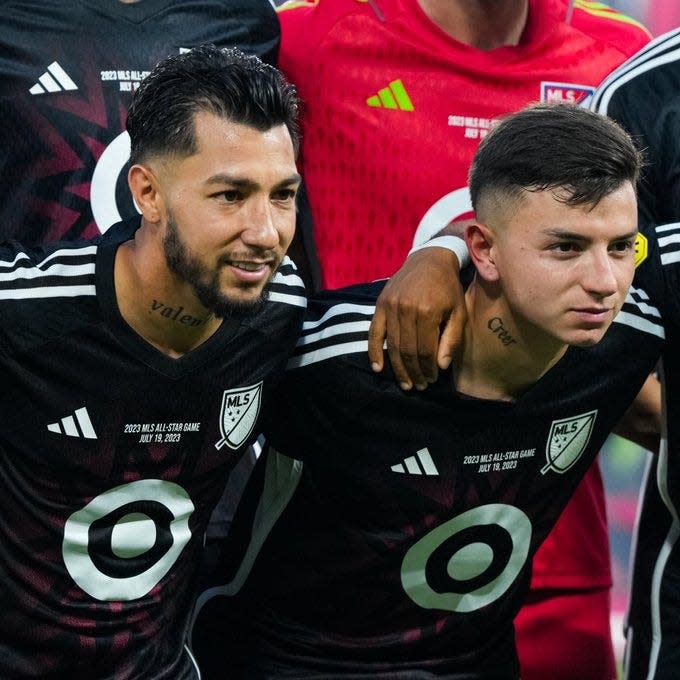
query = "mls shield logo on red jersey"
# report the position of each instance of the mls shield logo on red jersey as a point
(567, 440)
(240, 408)
(568, 93)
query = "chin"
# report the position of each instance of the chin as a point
(587, 338)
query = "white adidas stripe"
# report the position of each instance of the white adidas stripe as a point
(56, 291)
(640, 63)
(643, 68)
(64, 252)
(58, 269)
(339, 329)
(640, 323)
(345, 308)
(328, 353)
(675, 226)
(297, 300)
(642, 306)
(62, 77)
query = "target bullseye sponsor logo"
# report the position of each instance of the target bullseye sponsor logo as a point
(124, 541)
(470, 561)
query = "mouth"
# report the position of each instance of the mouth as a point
(593, 315)
(251, 272)
(250, 266)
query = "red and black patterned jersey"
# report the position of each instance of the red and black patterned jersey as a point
(67, 74)
(112, 456)
(644, 96)
(401, 545)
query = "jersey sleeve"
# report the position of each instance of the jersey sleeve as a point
(332, 350)
(643, 96)
(610, 26)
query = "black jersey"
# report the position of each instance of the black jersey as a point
(112, 456)
(405, 547)
(644, 96)
(67, 74)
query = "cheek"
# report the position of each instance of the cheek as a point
(286, 229)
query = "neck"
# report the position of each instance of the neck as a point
(498, 358)
(159, 308)
(484, 24)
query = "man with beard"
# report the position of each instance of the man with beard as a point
(135, 367)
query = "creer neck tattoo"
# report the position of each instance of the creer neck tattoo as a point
(495, 325)
(176, 314)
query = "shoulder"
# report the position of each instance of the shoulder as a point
(34, 271)
(608, 26)
(305, 23)
(336, 325)
(652, 72)
(40, 289)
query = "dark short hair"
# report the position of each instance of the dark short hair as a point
(227, 82)
(581, 155)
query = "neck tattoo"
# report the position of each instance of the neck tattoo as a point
(495, 325)
(177, 314)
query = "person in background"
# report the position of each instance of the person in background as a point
(68, 71)
(135, 367)
(397, 96)
(398, 543)
(643, 97)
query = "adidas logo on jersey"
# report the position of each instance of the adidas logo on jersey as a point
(394, 96)
(55, 79)
(78, 425)
(420, 464)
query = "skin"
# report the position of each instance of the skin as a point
(219, 220)
(484, 24)
(413, 314)
(548, 276)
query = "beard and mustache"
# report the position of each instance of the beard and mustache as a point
(206, 285)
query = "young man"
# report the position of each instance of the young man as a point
(67, 74)
(134, 372)
(406, 534)
(398, 95)
(643, 97)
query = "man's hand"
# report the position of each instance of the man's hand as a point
(421, 312)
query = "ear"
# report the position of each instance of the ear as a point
(143, 185)
(480, 242)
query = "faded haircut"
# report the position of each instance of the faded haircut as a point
(580, 155)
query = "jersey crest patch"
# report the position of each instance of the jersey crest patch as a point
(567, 440)
(569, 93)
(240, 408)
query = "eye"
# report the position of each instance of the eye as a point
(623, 246)
(284, 195)
(565, 247)
(231, 195)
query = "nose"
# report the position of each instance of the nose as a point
(599, 277)
(260, 230)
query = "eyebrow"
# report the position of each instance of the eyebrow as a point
(242, 183)
(571, 236)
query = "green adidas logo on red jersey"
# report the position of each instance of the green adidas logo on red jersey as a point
(394, 96)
